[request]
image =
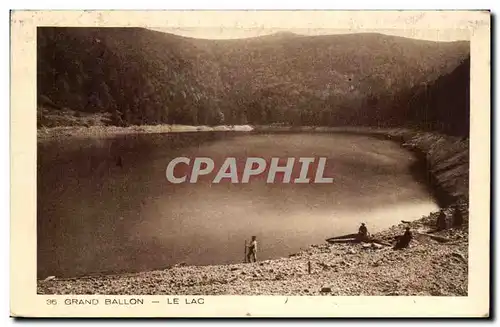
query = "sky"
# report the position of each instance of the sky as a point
(440, 35)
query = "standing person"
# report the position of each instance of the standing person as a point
(252, 250)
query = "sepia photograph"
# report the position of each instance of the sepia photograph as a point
(196, 161)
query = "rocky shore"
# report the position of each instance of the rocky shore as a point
(427, 267)
(68, 132)
(436, 263)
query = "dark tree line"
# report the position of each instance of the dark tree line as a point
(145, 77)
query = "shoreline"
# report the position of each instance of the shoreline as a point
(427, 267)
(347, 264)
(78, 132)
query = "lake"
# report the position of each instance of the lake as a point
(105, 205)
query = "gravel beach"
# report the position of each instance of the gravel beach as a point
(427, 267)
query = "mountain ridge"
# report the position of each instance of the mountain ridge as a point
(139, 76)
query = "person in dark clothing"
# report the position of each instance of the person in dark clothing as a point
(457, 218)
(404, 240)
(441, 221)
(408, 235)
(362, 232)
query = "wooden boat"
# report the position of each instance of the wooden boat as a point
(342, 237)
(353, 238)
(343, 240)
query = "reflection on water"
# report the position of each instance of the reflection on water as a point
(105, 205)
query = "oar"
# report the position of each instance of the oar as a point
(245, 256)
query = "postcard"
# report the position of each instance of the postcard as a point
(250, 163)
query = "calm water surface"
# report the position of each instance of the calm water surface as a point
(96, 214)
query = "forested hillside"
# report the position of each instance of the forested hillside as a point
(442, 105)
(133, 76)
